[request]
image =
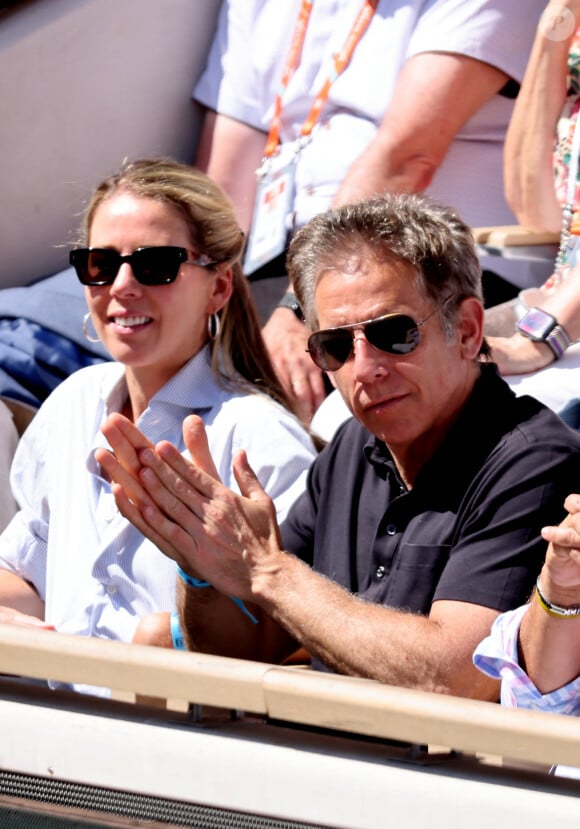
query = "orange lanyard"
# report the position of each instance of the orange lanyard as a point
(341, 61)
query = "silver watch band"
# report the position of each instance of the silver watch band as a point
(558, 340)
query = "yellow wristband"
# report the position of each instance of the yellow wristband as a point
(553, 609)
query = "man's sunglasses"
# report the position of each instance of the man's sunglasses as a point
(150, 266)
(393, 334)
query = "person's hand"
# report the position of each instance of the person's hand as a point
(126, 441)
(519, 355)
(9, 616)
(123, 466)
(286, 340)
(221, 537)
(561, 571)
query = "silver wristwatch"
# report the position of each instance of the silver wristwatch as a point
(542, 327)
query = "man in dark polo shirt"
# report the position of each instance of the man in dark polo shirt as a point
(421, 519)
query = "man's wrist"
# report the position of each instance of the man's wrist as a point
(278, 584)
(191, 581)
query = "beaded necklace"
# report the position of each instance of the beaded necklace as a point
(568, 210)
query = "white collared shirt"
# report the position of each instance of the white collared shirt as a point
(96, 573)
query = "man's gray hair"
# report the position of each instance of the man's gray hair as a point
(400, 229)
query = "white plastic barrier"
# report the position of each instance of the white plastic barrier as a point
(309, 747)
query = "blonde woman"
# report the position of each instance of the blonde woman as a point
(167, 297)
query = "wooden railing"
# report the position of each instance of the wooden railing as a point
(513, 235)
(294, 695)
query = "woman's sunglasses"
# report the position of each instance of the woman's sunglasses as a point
(150, 266)
(393, 334)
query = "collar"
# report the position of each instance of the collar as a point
(194, 387)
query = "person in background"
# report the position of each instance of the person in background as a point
(167, 298)
(350, 99)
(541, 132)
(542, 181)
(421, 518)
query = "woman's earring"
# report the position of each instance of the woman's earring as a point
(86, 319)
(213, 326)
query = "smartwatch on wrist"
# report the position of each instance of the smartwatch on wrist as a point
(541, 327)
(289, 301)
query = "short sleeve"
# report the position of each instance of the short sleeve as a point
(492, 31)
(231, 83)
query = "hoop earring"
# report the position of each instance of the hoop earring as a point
(214, 326)
(86, 319)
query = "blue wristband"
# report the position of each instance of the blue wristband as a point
(244, 609)
(176, 634)
(190, 580)
(193, 582)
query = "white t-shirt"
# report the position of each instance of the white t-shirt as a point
(249, 51)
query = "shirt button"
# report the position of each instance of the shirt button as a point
(111, 589)
(380, 572)
(391, 529)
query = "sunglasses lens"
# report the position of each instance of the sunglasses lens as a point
(397, 334)
(157, 266)
(330, 349)
(95, 267)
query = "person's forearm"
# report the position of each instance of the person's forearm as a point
(213, 623)
(549, 646)
(529, 182)
(386, 169)
(408, 149)
(358, 638)
(19, 595)
(230, 153)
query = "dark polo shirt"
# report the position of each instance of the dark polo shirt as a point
(468, 531)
